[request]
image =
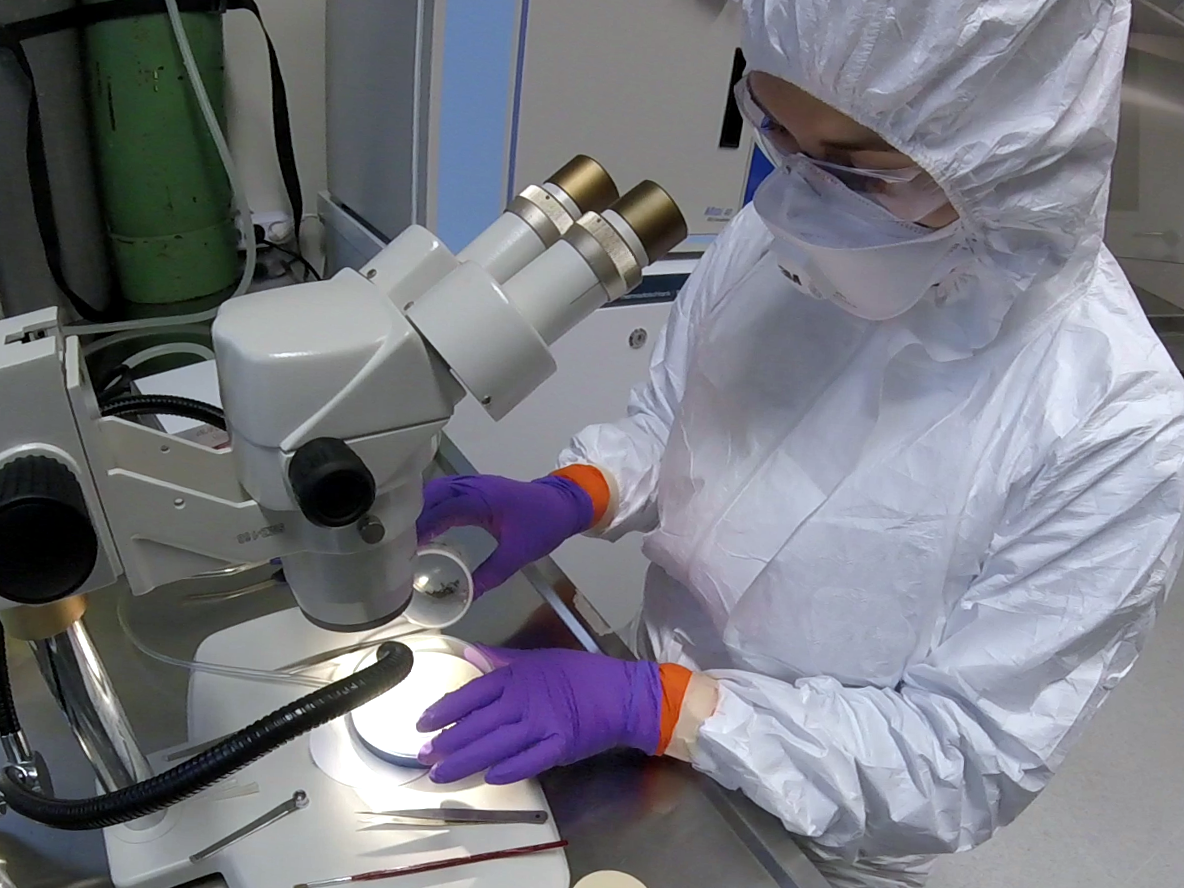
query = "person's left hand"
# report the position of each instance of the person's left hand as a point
(541, 709)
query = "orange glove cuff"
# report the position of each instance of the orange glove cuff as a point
(675, 680)
(592, 481)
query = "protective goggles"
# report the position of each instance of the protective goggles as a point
(908, 194)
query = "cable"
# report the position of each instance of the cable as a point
(168, 405)
(116, 384)
(299, 257)
(206, 768)
(9, 722)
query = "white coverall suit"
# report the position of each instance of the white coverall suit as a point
(916, 554)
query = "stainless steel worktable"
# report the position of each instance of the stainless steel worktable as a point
(655, 819)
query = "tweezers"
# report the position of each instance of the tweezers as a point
(449, 817)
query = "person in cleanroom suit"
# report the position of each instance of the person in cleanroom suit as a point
(908, 461)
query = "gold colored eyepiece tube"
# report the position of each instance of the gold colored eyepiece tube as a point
(654, 216)
(587, 183)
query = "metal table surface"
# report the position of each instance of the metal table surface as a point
(656, 819)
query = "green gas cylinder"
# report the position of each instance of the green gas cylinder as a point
(167, 201)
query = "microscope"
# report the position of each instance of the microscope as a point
(335, 394)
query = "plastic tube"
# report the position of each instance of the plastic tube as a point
(211, 668)
(169, 348)
(93, 348)
(146, 323)
(323, 657)
(245, 224)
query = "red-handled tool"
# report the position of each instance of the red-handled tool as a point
(375, 875)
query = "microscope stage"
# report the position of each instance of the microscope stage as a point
(323, 840)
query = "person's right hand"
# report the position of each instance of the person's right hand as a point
(529, 519)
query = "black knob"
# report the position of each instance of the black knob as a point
(332, 484)
(48, 546)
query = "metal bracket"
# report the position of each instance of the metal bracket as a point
(30, 766)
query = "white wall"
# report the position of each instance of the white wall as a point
(298, 29)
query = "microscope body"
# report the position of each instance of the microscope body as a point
(333, 363)
(335, 394)
(336, 403)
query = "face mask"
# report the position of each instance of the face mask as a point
(834, 244)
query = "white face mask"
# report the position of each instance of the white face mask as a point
(835, 244)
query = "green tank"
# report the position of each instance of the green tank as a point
(167, 202)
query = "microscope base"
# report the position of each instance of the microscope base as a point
(323, 840)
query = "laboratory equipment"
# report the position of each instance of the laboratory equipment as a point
(298, 802)
(326, 463)
(436, 817)
(335, 394)
(618, 812)
(344, 779)
(386, 726)
(472, 93)
(376, 875)
(334, 653)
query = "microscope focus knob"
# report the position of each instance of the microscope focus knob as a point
(332, 485)
(48, 546)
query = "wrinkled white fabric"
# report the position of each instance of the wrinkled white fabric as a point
(916, 554)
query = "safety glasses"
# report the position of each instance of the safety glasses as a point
(908, 194)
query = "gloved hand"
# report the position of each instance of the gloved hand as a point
(528, 519)
(541, 709)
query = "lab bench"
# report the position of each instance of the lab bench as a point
(653, 818)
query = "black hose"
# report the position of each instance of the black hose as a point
(9, 723)
(169, 405)
(116, 384)
(205, 769)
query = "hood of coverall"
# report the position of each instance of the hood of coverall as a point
(1011, 105)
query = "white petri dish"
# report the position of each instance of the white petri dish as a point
(386, 725)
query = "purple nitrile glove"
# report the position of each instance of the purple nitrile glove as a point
(541, 709)
(529, 519)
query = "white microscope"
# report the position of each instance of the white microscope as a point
(335, 394)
